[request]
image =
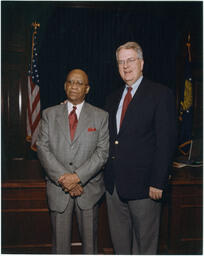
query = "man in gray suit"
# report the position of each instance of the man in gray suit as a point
(73, 146)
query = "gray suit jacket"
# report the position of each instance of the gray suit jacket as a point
(85, 155)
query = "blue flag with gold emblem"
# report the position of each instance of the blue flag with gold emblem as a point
(186, 107)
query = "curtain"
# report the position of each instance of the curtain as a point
(87, 38)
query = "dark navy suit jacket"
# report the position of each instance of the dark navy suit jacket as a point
(141, 153)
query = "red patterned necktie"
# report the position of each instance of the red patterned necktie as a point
(73, 122)
(128, 98)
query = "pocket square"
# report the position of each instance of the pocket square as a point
(91, 129)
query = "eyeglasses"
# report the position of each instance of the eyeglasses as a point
(129, 61)
(77, 83)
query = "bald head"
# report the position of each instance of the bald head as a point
(81, 73)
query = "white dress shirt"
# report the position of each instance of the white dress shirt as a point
(78, 110)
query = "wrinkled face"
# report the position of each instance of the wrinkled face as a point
(76, 86)
(129, 65)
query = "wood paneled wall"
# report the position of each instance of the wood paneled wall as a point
(26, 226)
(14, 83)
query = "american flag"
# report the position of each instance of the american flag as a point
(33, 105)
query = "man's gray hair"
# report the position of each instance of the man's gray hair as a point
(131, 45)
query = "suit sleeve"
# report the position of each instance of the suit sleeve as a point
(94, 164)
(52, 166)
(166, 139)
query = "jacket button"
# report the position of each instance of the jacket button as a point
(113, 157)
(116, 142)
(70, 163)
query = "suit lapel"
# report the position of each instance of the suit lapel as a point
(83, 123)
(115, 102)
(134, 106)
(84, 120)
(63, 122)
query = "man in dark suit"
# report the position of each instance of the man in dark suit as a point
(73, 146)
(142, 125)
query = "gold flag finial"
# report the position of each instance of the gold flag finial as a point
(189, 37)
(35, 25)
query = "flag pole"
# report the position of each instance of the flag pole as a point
(188, 44)
(35, 25)
(33, 104)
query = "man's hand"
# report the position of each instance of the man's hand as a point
(76, 191)
(64, 102)
(155, 193)
(69, 181)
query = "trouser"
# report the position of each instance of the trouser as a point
(62, 229)
(134, 224)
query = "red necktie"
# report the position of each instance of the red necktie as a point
(128, 98)
(73, 122)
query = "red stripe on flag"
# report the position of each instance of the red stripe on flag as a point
(35, 101)
(33, 117)
(36, 122)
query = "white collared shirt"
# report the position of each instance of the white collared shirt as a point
(78, 110)
(133, 91)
